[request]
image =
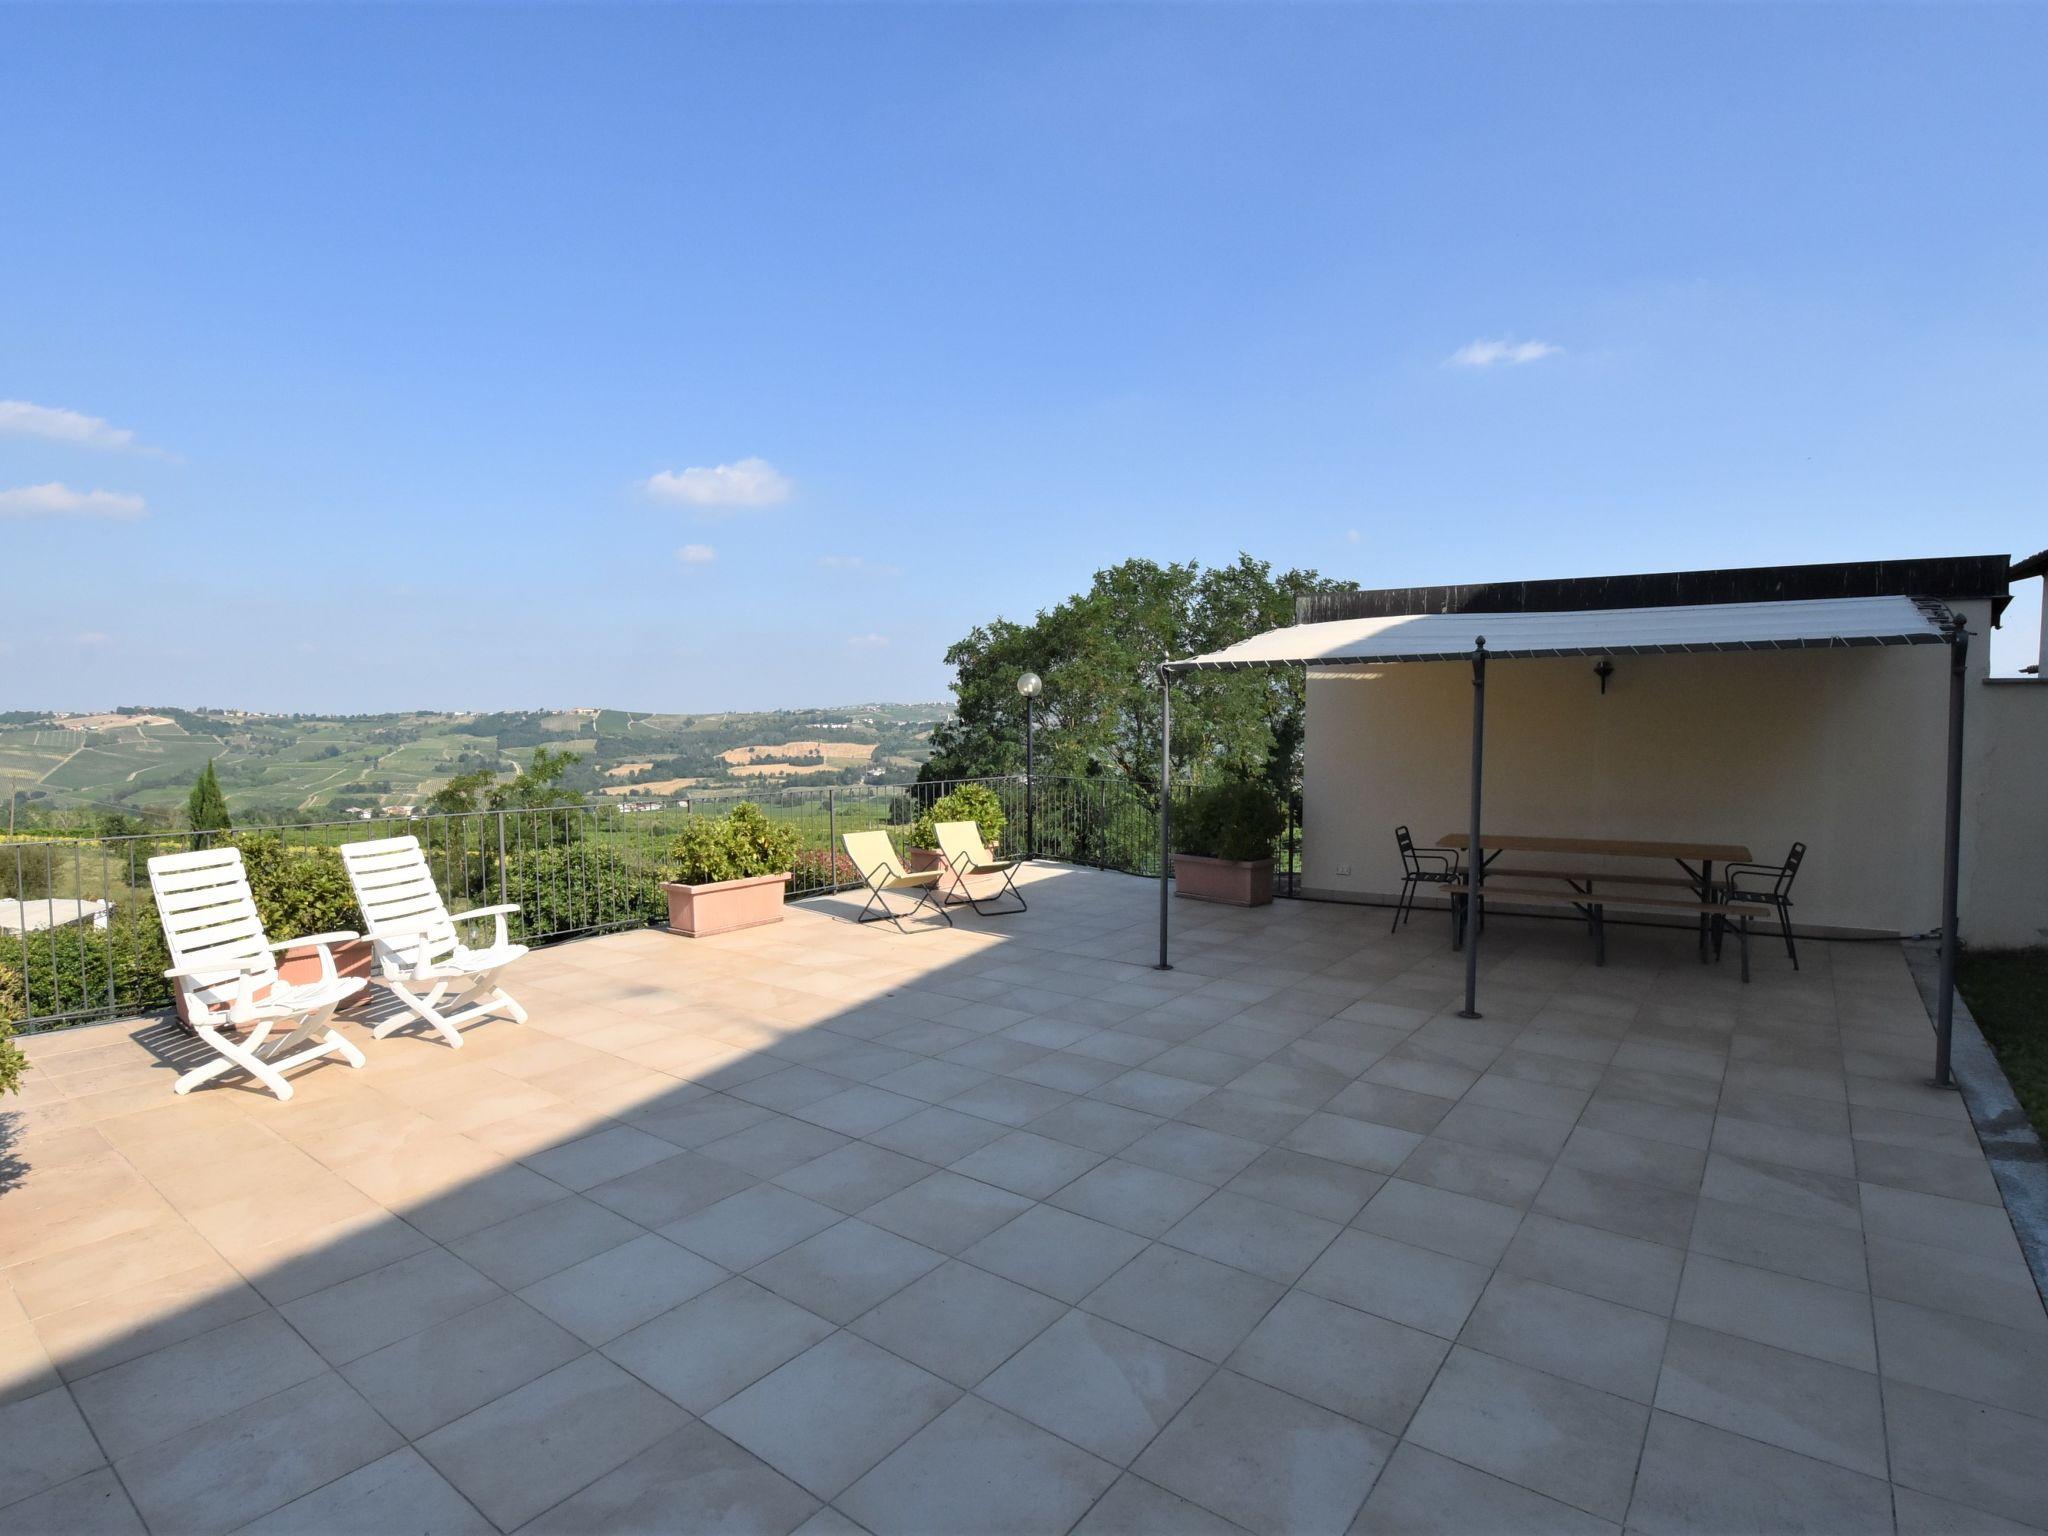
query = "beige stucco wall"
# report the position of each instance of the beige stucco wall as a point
(1844, 750)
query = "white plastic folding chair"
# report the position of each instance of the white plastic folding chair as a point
(420, 955)
(226, 970)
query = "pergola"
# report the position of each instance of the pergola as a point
(1834, 623)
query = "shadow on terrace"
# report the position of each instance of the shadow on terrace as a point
(996, 1228)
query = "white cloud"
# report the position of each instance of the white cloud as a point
(870, 642)
(742, 483)
(1350, 535)
(858, 563)
(54, 500)
(92, 637)
(1489, 354)
(696, 554)
(21, 418)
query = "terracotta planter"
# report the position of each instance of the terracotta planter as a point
(299, 966)
(725, 905)
(918, 860)
(1234, 882)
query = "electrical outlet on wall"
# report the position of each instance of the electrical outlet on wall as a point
(1343, 869)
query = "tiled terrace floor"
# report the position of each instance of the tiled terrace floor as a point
(821, 1227)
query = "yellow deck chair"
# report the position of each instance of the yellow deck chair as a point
(882, 872)
(968, 856)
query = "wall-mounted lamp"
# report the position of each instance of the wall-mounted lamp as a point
(1604, 671)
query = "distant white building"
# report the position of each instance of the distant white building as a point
(39, 915)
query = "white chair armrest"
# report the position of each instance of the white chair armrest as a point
(405, 928)
(212, 975)
(510, 906)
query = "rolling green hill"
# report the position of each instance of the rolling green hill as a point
(141, 761)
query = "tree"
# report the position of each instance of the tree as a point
(1099, 654)
(538, 785)
(206, 810)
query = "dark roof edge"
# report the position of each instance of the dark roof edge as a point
(2033, 565)
(1946, 578)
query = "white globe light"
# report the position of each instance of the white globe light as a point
(1030, 685)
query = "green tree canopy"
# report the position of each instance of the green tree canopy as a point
(1099, 653)
(206, 809)
(538, 784)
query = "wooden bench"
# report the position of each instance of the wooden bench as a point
(1594, 905)
(1589, 877)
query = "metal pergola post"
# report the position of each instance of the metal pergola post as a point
(1951, 852)
(1475, 860)
(1165, 808)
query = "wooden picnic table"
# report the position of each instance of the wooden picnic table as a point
(1696, 859)
(1496, 843)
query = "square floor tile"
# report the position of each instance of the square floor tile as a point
(1134, 1507)
(773, 1146)
(1569, 1442)
(670, 1189)
(696, 1480)
(1698, 1479)
(1351, 1362)
(1056, 1251)
(756, 1224)
(1424, 1494)
(937, 1135)
(853, 1177)
(716, 1344)
(228, 1470)
(347, 1321)
(1477, 1231)
(533, 1447)
(846, 1269)
(1097, 1384)
(1800, 1315)
(43, 1442)
(1962, 1356)
(1273, 1463)
(977, 1468)
(1095, 1126)
(1252, 1234)
(830, 1414)
(1430, 1291)
(1988, 1458)
(1813, 1407)
(1315, 1186)
(946, 1211)
(602, 1297)
(1567, 1333)
(1027, 1164)
(162, 1394)
(444, 1371)
(1182, 1299)
(1209, 1157)
(540, 1243)
(1129, 1195)
(394, 1492)
(958, 1322)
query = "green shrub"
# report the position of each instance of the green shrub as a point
(13, 1005)
(970, 802)
(1240, 819)
(736, 846)
(567, 887)
(298, 890)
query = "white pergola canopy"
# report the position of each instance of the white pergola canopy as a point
(1831, 623)
(1807, 624)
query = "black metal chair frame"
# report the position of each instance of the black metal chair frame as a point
(1778, 897)
(965, 865)
(1414, 875)
(926, 897)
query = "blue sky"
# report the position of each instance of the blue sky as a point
(386, 357)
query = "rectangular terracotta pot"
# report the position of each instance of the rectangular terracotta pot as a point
(725, 905)
(1234, 882)
(918, 860)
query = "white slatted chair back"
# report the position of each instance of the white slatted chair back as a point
(210, 920)
(402, 907)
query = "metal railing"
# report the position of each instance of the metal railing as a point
(574, 870)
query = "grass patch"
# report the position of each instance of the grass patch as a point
(2007, 990)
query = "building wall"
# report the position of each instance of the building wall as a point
(1844, 750)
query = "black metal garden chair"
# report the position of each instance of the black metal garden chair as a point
(1768, 885)
(1420, 867)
